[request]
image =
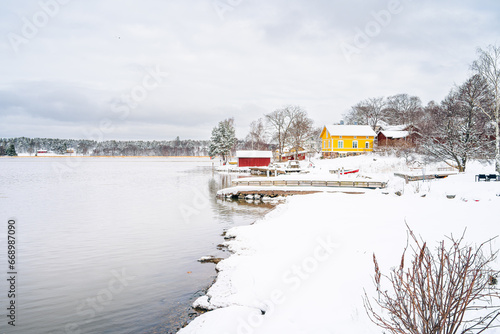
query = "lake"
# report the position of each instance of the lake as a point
(110, 245)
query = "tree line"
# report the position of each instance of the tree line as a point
(464, 125)
(286, 129)
(176, 147)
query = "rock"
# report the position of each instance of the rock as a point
(210, 259)
(202, 303)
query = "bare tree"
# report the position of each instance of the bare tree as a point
(403, 109)
(367, 112)
(281, 121)
(488, 66)
(450, 292)
(257, 137)
(301, 131)
(457, 130)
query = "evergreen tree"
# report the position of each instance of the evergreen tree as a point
(222, 140)
(11, 150)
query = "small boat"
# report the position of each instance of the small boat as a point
(344, 171)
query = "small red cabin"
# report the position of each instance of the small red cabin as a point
(254, 158)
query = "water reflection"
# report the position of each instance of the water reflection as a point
(108, 214)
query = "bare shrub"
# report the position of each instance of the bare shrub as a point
(451, 291)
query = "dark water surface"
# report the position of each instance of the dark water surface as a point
(110, 245)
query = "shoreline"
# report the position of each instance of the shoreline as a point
(187, 314)
(303, 268)
(191, 312)
(200, 311)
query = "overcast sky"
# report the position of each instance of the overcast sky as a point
(157, 69)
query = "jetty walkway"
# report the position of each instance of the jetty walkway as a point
(258, 187)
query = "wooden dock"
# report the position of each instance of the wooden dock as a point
(427, 176)
(273, 171)
(310, 183)
(267, 187)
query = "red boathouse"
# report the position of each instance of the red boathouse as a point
(254, 158)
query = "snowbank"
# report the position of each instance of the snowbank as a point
(303, 268)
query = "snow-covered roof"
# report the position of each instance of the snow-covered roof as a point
(400, 127)
(395, 134)
(254, 154)
(350, 130)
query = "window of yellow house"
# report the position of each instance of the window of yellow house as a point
(354, 144)
(340, 144)
(367, 145)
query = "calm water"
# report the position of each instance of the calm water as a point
(109, 245)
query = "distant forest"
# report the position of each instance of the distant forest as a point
(174, 147)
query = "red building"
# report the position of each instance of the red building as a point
(398, 134)
(253, 158)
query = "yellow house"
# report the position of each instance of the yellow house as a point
(346, 140)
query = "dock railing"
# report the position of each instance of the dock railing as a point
(311, 183)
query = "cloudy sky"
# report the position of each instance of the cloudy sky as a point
(157, 69)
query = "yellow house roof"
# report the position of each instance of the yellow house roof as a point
(349, 130)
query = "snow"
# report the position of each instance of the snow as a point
(399, 127)
(304, 267)
(257, 189)
(254, 154)
(350, 130)
(211, 322)
(395, 134)
(232, 169)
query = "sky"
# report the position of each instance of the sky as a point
(158, 69)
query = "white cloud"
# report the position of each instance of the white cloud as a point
(260, 56)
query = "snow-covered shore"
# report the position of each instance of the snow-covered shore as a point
(305, 266)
